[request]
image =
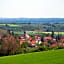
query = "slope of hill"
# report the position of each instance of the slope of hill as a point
(46, 57)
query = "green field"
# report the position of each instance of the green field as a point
(46, 57)
(33, 25)
(34, 32)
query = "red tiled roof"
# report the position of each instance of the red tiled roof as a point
(45, 42)
(21, 42)
(62, 40)
(60, 44)
(22, 37)
(33, 42)
(36, 37)
(47, 38)
(53, 45)
(30, 38)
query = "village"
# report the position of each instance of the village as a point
(49, 40)
(25, 43)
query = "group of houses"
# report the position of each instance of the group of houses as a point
(27, 38)
(39, 40)
(35, 40)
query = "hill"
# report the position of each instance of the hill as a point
(46, 57)
(31, 20)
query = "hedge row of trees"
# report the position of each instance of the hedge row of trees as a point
(9, 46)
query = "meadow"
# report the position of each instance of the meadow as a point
(18, 27)
(36, 32)
(45, 57)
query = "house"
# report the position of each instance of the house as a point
(60, 44)
(29, 38)
(33, 43)
(21, 42)
(53, 45)
(62, 39)
(47, 38)
(35, 37)
(22, 38)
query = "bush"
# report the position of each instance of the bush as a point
(52, 48)
(34, 49)
(43, 48)
(25, 50)
(25, 44)
(60, 47)
(39, 48)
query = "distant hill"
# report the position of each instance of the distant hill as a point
(31, 20)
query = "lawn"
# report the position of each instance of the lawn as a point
(46, 57)
(21, 25)
(35, 32)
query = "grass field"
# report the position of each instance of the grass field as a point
(34, 25)
(20, 25)
(46, 57)
(34, 32)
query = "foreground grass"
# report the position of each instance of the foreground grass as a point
(46, 57)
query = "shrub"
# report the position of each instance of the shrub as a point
(60, 47)
(39, 48)
(53, 48)
(43, 48)
(34, 49)
(25, 44)
(25, 50)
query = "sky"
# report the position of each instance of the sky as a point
(32, 8)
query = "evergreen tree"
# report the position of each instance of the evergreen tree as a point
(8, 31)
(12, 33)
(52, 35)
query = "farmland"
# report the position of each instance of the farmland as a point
(35, 32)
(46, 57)
(30, 28)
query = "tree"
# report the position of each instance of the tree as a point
(9, 46)
(52, 35)
(58, 37)
(24, 45)
(42, 39)
(8, 31)
(12, 33)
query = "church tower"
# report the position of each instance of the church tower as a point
(24, 34)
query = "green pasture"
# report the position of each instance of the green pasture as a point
(45, 57)
(37, 32)
(21, 25)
